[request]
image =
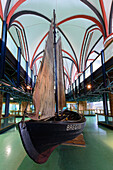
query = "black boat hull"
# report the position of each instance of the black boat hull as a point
(40, 138)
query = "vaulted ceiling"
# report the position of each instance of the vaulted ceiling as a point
(82, 23)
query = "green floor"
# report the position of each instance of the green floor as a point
(98, 154)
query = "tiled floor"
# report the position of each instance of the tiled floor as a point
(98, 154)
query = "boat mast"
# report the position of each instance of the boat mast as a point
(55, 58)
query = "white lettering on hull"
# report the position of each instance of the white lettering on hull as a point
(73, 127)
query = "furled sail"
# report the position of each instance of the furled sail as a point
(60, 76)
(43, 96)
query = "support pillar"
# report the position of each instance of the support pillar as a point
(91, 71)
(7, 105)
(84, 82)
(19, 105)
(1, 103)
(18, 67)
(26, 73)
(79, 85)
(104, 85)
(75, 89)
(3, 50)
(32, 79)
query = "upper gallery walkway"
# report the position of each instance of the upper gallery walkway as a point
(95, 80)
(16, 76)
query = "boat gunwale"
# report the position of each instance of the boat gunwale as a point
(56, 122)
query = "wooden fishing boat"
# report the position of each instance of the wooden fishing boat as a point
(40, 136)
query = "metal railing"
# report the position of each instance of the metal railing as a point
(13, 48)
(87, 112)
(6, 122)
(105, 119)
(96, 64)
(93, 112)
(101, 112)
(17, 113)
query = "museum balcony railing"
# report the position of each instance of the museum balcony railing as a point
(101, 112)
(18, 113)
(6, 123)
(88, 112)
(92, 112)
(81, 84)
(12, 46)
(105, 120)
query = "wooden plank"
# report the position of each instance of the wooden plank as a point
(78, 141)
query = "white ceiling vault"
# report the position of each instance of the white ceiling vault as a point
(90, 20)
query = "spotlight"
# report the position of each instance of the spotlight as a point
(28, 87)
(11, 98)
(89, 86)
